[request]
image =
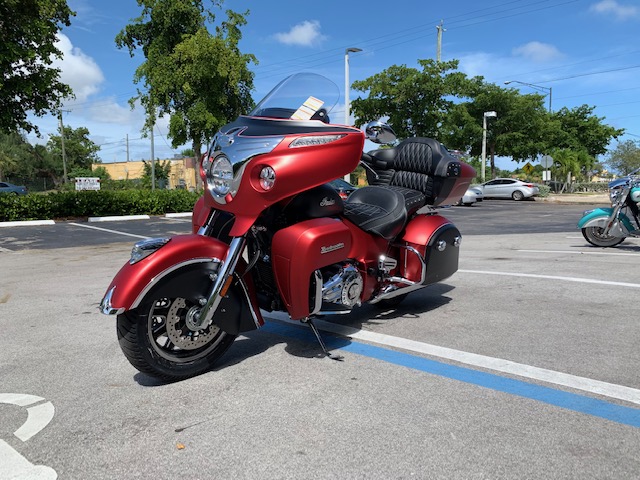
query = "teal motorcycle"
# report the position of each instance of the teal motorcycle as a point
(608, 227)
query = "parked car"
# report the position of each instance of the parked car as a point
(343, 187)
(6, 187)
(509, 188)
(471, 196)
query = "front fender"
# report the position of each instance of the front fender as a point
(133, 282)
(599, 218)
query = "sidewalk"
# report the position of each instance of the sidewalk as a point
(577, 198)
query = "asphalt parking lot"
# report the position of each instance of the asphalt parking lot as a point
(524, 364)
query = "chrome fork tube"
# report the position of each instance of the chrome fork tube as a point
(226, 269)
(616, 210)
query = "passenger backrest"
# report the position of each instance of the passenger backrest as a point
(421, 164)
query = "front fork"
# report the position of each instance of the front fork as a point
(612, 219)
(222, 282)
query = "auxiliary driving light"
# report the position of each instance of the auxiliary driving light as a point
(267, 178)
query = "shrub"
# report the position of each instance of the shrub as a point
(75, 204)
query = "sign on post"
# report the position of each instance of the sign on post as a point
(528, 168)
(87, 183)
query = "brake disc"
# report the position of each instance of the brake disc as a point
(178, 331)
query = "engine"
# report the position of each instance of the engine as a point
(342, 286)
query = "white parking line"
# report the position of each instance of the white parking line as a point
(13, 465)
(553, 277)
(109, 230)
(582, 252)
(610, 390)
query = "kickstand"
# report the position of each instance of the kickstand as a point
(315, 331)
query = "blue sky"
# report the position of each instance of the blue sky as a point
(586, 51)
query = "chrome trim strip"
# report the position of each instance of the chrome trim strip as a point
(239, 150)
(105, 305)
(394, 291)
(318, 303)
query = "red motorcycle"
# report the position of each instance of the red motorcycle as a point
(269, 233)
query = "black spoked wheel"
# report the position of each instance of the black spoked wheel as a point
(159, 339)
(594, 236)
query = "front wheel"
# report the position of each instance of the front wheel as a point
(594, 236)
(157, 340)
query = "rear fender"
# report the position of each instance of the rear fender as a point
(187, 257)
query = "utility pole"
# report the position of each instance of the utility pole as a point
(64, 154)
(127, 139)
(153, 162)
(439, 46)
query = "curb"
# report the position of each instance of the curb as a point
(25, 223)
(178, 215)
(31, 223)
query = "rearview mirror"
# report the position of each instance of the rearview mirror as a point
(380, 132)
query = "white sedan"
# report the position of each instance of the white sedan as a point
(509, 188)
(471, 196)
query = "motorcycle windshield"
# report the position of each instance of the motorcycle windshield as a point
(302, 96)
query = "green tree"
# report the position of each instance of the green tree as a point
(28, 83)
(578, 129)
(517, 130)
(625, 157)
(415, 102)
(566, 163)
(80, 150)
(162, 170)
(199, 78)
(14, 152)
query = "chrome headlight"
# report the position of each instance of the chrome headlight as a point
(144, 248)
(615, 194)
(220, 176)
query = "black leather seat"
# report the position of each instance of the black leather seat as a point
(378, 210)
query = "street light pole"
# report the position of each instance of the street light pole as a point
(347, 87)
(533, 85)
(484, 142)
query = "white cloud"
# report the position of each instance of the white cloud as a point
(77, 69)
(538, 52)
(305, 34)
(612, 7)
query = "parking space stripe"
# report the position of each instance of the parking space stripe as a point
(619, 392)
(108, 230)
(581, 252)
(553, 277)
(566, 400)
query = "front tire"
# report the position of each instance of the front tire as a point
(157, 341)
(594, 236)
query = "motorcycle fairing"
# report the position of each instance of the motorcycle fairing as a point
(289, 162)
(599, 218)
(182, 255)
